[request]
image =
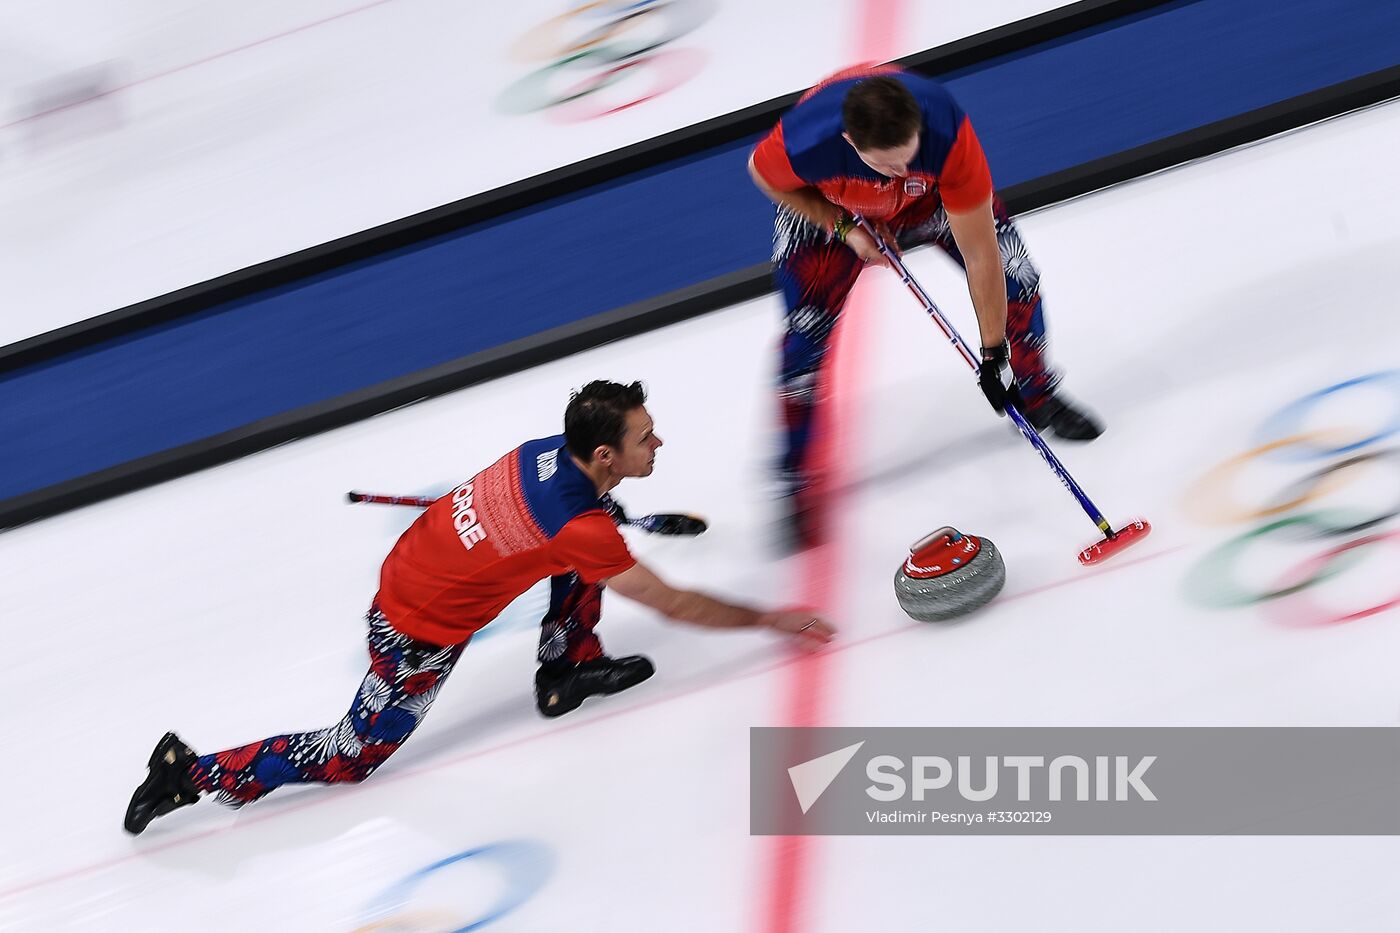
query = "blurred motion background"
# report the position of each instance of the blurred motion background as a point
(255, 254)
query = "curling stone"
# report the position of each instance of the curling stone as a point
(948, 574)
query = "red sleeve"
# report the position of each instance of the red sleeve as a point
(592, 545)
(770, 160)
(965, 181)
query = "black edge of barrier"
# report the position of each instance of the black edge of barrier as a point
(266, 433)
(672, 308)
(1210, 139)
(569, 179)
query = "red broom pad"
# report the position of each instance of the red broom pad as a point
(1120, 540)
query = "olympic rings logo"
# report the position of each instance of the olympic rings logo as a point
(606, 56)
(521, 867)
(1281, 520)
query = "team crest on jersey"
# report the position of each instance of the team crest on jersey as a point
(546, 463)
(915, 187)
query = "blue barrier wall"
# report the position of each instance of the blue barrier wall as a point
(1052, 107)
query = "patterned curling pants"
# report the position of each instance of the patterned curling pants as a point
(566, 634)
(816, 274)
(403, 680)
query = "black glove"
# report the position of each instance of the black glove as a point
(996, 379)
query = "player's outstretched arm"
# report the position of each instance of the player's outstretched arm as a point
(639, 583)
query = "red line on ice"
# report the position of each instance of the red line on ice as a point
(787, 887)
(321, 795)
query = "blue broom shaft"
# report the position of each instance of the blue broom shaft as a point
(1027, 431)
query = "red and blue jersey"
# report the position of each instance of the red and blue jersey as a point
(532, 514)
(806, 148)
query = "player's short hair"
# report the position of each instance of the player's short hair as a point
(597, 415)
(880, 113)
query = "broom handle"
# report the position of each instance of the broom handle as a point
(965, 351)
(421, 502)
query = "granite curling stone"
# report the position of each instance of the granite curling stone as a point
(948, 574)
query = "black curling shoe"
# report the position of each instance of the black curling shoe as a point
(1067, 421)
(558, 691)
(167, 786)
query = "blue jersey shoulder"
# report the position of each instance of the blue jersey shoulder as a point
(555, 489)
(812, 131)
